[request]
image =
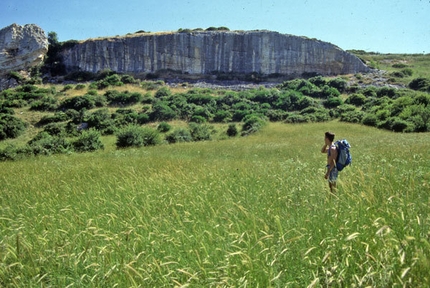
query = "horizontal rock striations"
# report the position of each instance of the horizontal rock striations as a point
(21, 47)
(206, 52)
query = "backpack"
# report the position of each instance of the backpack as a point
(344, 157)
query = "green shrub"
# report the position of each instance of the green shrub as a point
(111, 80)
(318, 81)
(143, 118)
(57, 117)
(46, 144)
(400, 125)
(102, 121)
(151, 85)
(128, 79)
(161, 111)
(222, 116)
(11, 126)
(123, 98)
(198, 119)
(356, 99)
(47, 103)
(399, 65)
(200, 132)
(55, 129)
(124, 117)
(163, 92)
(88, 141)
(179, 135)
(67, 87)
(80, 87)
(296, 118)
(164, 127)
(78, 103)
(420, 84)
(137, 136)
(338, 83)
(9, 153)
(252, 123)
(370, 120)
(333, 102)
(352, 116)
(232, 130)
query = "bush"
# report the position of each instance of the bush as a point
(420, 84)
(356, 99)
(232, 130)
(102, 121)
(296, 118)
(135, 136)
(57, 117)
(111, 80)
(163, 92)
(370, 120)
(399, 125)
(164, 127)
(55, 129)
(128, 79)
(10, 126)
(338, 83)
(222, 116)
(46, 144)
(162, 112)
(67, 87)
(333, 102)
(78, 103)
(201, 132)
(252, 123)
(88, 141)
(179, 135)
(47, 103)
(143, 118)
(352, 117)
(80, 87)
(123, 98)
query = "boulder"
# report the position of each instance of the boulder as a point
(21, 47)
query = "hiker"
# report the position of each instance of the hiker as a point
(331, 170)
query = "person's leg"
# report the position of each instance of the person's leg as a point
(332, 180)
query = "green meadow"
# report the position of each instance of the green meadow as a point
(242, 212)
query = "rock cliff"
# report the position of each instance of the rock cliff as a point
(21, 47)
(206, 52)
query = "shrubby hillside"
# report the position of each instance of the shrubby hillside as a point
(72, 117)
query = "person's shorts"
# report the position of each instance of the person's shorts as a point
(333, 175)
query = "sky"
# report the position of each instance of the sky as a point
(384, 26)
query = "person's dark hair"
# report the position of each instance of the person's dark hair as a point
(329, 136)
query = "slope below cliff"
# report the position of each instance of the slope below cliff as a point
(206, 52)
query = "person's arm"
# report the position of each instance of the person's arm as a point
(324, 149)
(331, 161)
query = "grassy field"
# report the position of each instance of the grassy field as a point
(243, 212)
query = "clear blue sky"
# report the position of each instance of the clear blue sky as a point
(386, 26)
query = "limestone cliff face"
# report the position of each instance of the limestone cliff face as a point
(264, 52)
(21, 47)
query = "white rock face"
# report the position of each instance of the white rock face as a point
(21, 47)
(200, 53)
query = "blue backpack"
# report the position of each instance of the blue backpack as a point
(344, 157)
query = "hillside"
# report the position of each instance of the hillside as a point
(43, 119)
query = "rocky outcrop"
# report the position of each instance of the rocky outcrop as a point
(21, 47)
(206, 52)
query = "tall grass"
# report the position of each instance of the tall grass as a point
(243, 212)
